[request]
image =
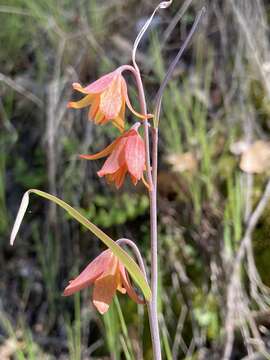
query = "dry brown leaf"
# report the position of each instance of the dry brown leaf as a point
(239, 147)
(183, 162)
(256, 159)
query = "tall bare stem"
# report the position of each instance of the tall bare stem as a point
(151, 174)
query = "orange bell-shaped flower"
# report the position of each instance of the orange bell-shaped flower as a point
(108, 275)
(126, 155)
(107, 98)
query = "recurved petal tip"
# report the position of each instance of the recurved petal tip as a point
(70, 289)
(127, 285)
(87, 157)
(76, 85)
(101, 306)
(66, 292)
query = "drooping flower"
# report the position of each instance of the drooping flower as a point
(107, 98)
(126, 155)
(108, 275)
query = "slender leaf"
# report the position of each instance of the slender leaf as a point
(127, 261)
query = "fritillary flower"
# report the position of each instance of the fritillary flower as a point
(125, 155)
(107, 98)
(108, 275)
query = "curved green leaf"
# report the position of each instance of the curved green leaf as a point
(127, 261)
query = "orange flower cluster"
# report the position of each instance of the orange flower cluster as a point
(107, 98)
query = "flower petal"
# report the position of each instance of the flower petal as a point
(126, 283)
(94, 108)
(118, 177)
(105, 286)
(97, 86)
(102, 153)
(104, 291)
(100, 117)
(121, 289)
(119, 123)
(87, 100)
(115, 160)
(135, 156)
(125, 96)
(111, 99)
(90, 273)
(109, 148)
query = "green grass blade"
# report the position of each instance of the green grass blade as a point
(126, 344)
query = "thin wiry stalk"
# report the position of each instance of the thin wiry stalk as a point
(21, 90)
(162, 5)
(152, 306)
(173, 65)
(175, 20)
(133, 246)
(151, 174)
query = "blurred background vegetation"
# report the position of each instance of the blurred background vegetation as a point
(216, 105)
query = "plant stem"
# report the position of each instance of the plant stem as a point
(154, 242)
(134, 247)
(151, 178)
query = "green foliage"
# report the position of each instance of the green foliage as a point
(7, 138)
(27, 178)
(112, 330)
(11, 35)
(74, 331)
(124, 338)
(201, 222)
(108, 211)
(20, 340)
(261, 247)
(206, 310)
(234, 209)
(48, 255)
(185, 126)
(3, 209)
